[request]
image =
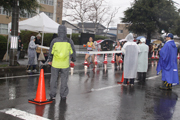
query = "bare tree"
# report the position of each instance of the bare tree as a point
(78, 10)
(110, 17)
(98, 11)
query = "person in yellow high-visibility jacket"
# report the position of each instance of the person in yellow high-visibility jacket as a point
(61, 52)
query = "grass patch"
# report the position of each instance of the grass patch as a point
(4, 65)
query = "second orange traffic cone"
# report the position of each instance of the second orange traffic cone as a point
(95, 60)
(112, 61)
(41, 92)
(152, 56)
(156, 55)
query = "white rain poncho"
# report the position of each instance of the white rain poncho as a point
(32, 56)
(130, 51)
(143, 57)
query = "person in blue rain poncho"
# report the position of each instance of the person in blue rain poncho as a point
(168, 63)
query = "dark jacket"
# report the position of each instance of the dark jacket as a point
(37, 41)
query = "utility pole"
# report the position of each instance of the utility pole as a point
(14, 34)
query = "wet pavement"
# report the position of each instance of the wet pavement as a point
(93, 95)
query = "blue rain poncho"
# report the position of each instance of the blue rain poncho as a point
(168, 63)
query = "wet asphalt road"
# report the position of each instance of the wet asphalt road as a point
(93, 95)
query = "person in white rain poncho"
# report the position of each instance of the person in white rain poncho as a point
(130, 51)
(143, 60)
(32, 57)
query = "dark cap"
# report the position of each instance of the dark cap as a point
(169, 35)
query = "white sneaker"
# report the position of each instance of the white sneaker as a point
(34, 70)
(124, 84)
(28, 71)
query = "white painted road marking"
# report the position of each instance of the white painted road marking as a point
(22, 114)
(113, 86)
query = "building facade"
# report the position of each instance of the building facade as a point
(122, 31)
(52, 8)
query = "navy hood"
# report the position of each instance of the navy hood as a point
(62, 31)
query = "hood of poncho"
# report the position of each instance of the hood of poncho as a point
(32, 38)
(62, 31)
(129, 37)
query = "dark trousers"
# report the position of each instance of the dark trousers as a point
(131, 81)
(142, 76)
(64, 90)
(31, 66)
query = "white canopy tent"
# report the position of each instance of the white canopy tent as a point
(40, 23)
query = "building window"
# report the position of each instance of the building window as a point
(120, 31)
(58, 4)
(4, 29)
(47, 2)
(48, 14)
(57, 19)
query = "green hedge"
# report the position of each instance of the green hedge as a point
(3, 42)
(98, 37)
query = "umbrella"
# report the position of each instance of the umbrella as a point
(157, 42)
(99, 41)
(139, 37)
(122, 40)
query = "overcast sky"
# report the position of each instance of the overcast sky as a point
(123, 4)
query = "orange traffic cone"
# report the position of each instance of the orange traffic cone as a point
(41, 92)
(178, 57)
(152, 56)
(122, 79)
(157, 55)
(112, 61)
(105, 60)
(95, 60)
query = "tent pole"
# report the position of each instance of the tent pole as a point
(70, 36)
(7, 46)
(42, 38)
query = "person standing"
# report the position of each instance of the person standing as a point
(130, 51)
(38, 42)
(32, 56)
(60, 52)
(142, 60)
(20, 45)
(106, 48)
(168, 63)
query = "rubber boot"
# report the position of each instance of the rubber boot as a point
(170, 86)
(132, 82)
(165, 86)
(125, 82)
(144, 77)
